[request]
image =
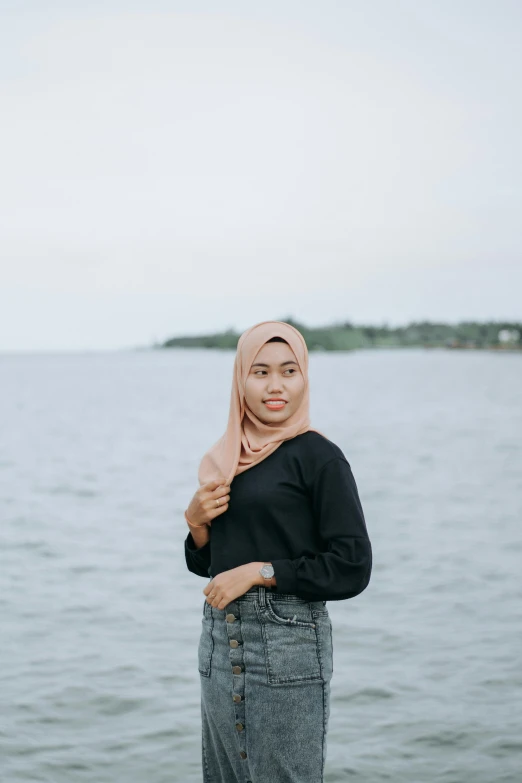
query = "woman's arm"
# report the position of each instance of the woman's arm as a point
(197, 551)
(210, 501)
(342, 569)
(200, 535)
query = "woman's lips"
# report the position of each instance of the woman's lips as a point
(276, 405)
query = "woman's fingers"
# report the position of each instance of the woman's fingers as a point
(206, 497)
(219, 493)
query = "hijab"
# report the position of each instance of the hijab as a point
(247, 440)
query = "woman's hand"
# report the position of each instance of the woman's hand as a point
(203, 508)
(231, 584)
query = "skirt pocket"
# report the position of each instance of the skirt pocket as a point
(290, 642)
(206, 641)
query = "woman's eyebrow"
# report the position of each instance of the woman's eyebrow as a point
(260, 364)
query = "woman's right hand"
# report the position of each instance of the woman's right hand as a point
(203, 508)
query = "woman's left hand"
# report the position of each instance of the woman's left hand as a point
(228, 585)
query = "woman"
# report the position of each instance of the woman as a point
(278, 526)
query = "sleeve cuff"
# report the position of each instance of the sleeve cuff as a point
(285, 575)
(190, 546)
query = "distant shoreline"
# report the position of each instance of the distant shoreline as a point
(318, 349)
(466, 335)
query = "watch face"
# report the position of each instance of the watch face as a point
(267, 571)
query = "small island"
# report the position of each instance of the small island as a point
(347, 336)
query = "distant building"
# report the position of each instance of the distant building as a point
(508, 336)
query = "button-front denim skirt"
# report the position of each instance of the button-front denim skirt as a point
(265, 664)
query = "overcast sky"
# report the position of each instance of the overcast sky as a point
(170, 168)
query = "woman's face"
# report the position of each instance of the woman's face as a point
(274, 373)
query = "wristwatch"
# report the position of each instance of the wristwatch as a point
(267, 572)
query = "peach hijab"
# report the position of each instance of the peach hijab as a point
(248, 440)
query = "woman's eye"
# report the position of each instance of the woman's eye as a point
(290, 370)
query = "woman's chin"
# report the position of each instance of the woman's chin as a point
(275, 417)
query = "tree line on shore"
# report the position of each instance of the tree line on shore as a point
(349, 336)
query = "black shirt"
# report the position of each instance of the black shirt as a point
(298, 509)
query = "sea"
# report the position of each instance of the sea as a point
(100, 617)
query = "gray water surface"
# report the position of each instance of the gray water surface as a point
(100, 618)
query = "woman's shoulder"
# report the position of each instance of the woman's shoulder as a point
(316, 450)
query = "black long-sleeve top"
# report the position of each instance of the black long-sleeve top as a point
(298, 509)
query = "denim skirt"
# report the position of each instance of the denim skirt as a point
(265, 664)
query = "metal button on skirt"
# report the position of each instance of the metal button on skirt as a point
(265, 664)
